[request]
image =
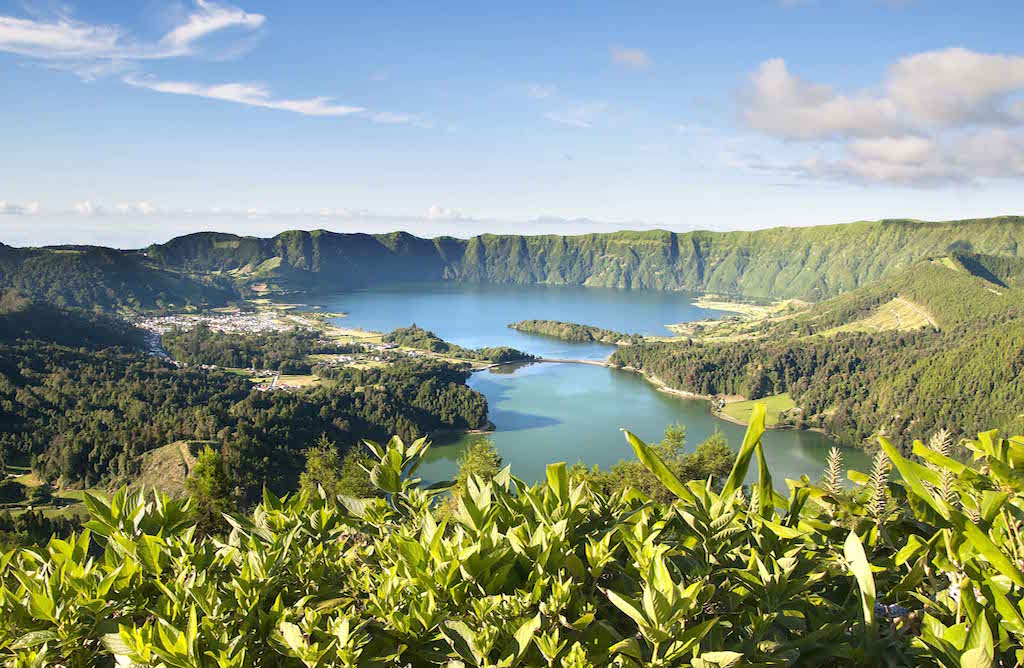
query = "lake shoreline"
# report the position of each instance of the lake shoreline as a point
(684, 394)
(455, 433)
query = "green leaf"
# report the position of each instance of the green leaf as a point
(558, 481)
(765, 491)
(41, 607)
(293, 637)
(978, 650)
(628, 606)
(150, 549)
(34, 639)
(853, 550)
(525, 633)
(910, 477)
(755, 428)
(984, 545)
(650, 459)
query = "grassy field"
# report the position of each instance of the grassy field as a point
(748, 310)
(741, 410)
(896, 315)
(745, 323)
(297, 381)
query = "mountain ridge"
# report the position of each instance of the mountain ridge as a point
(806, 262)
(211, 268)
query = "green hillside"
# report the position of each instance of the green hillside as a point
(89, 277)
(810, 263)
(962, 368)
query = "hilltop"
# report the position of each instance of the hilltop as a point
(90, 277)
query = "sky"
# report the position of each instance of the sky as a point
(127, 123)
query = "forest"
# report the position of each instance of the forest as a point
(82, 406)
(92, 277)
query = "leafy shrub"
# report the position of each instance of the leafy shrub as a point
(551, 574)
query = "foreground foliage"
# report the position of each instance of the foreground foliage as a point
(921, 572)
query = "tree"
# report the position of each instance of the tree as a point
(11, 491)
(480, 459)
(211, 491)
(40, 495)
(712, 458)
(326, 468)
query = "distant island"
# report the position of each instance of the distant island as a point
(421, 339)
(575, 332)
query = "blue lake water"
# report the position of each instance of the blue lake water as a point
(565, 412)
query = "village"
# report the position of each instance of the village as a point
(363, 348)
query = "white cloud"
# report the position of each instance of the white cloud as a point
(630, 57)
(783, 105)
(251, 94)
(207, 19)
(923, 161)
(12, 209)
(88, 208)
(438, 212)
(62, 38)
(89, 47)
(93, 51)
(940, 117)
(938, 89)
(954, 87)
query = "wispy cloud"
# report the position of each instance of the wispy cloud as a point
(143, 208)
(75, 42)
(251, 94)
(207, 19)
(631, 57)
(578, 116)
(538, 91)
(93, 51)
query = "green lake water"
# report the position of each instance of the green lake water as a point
(566, 412)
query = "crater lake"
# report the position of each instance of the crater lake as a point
(544, 412)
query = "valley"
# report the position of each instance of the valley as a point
(652, 356)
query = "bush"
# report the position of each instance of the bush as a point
(920, 571)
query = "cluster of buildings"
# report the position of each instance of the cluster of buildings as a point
(235, 323)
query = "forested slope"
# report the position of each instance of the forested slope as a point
(964, 376)
(810, 262)
(83, 402)
(91, 277)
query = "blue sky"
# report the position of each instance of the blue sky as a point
(126, 123)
